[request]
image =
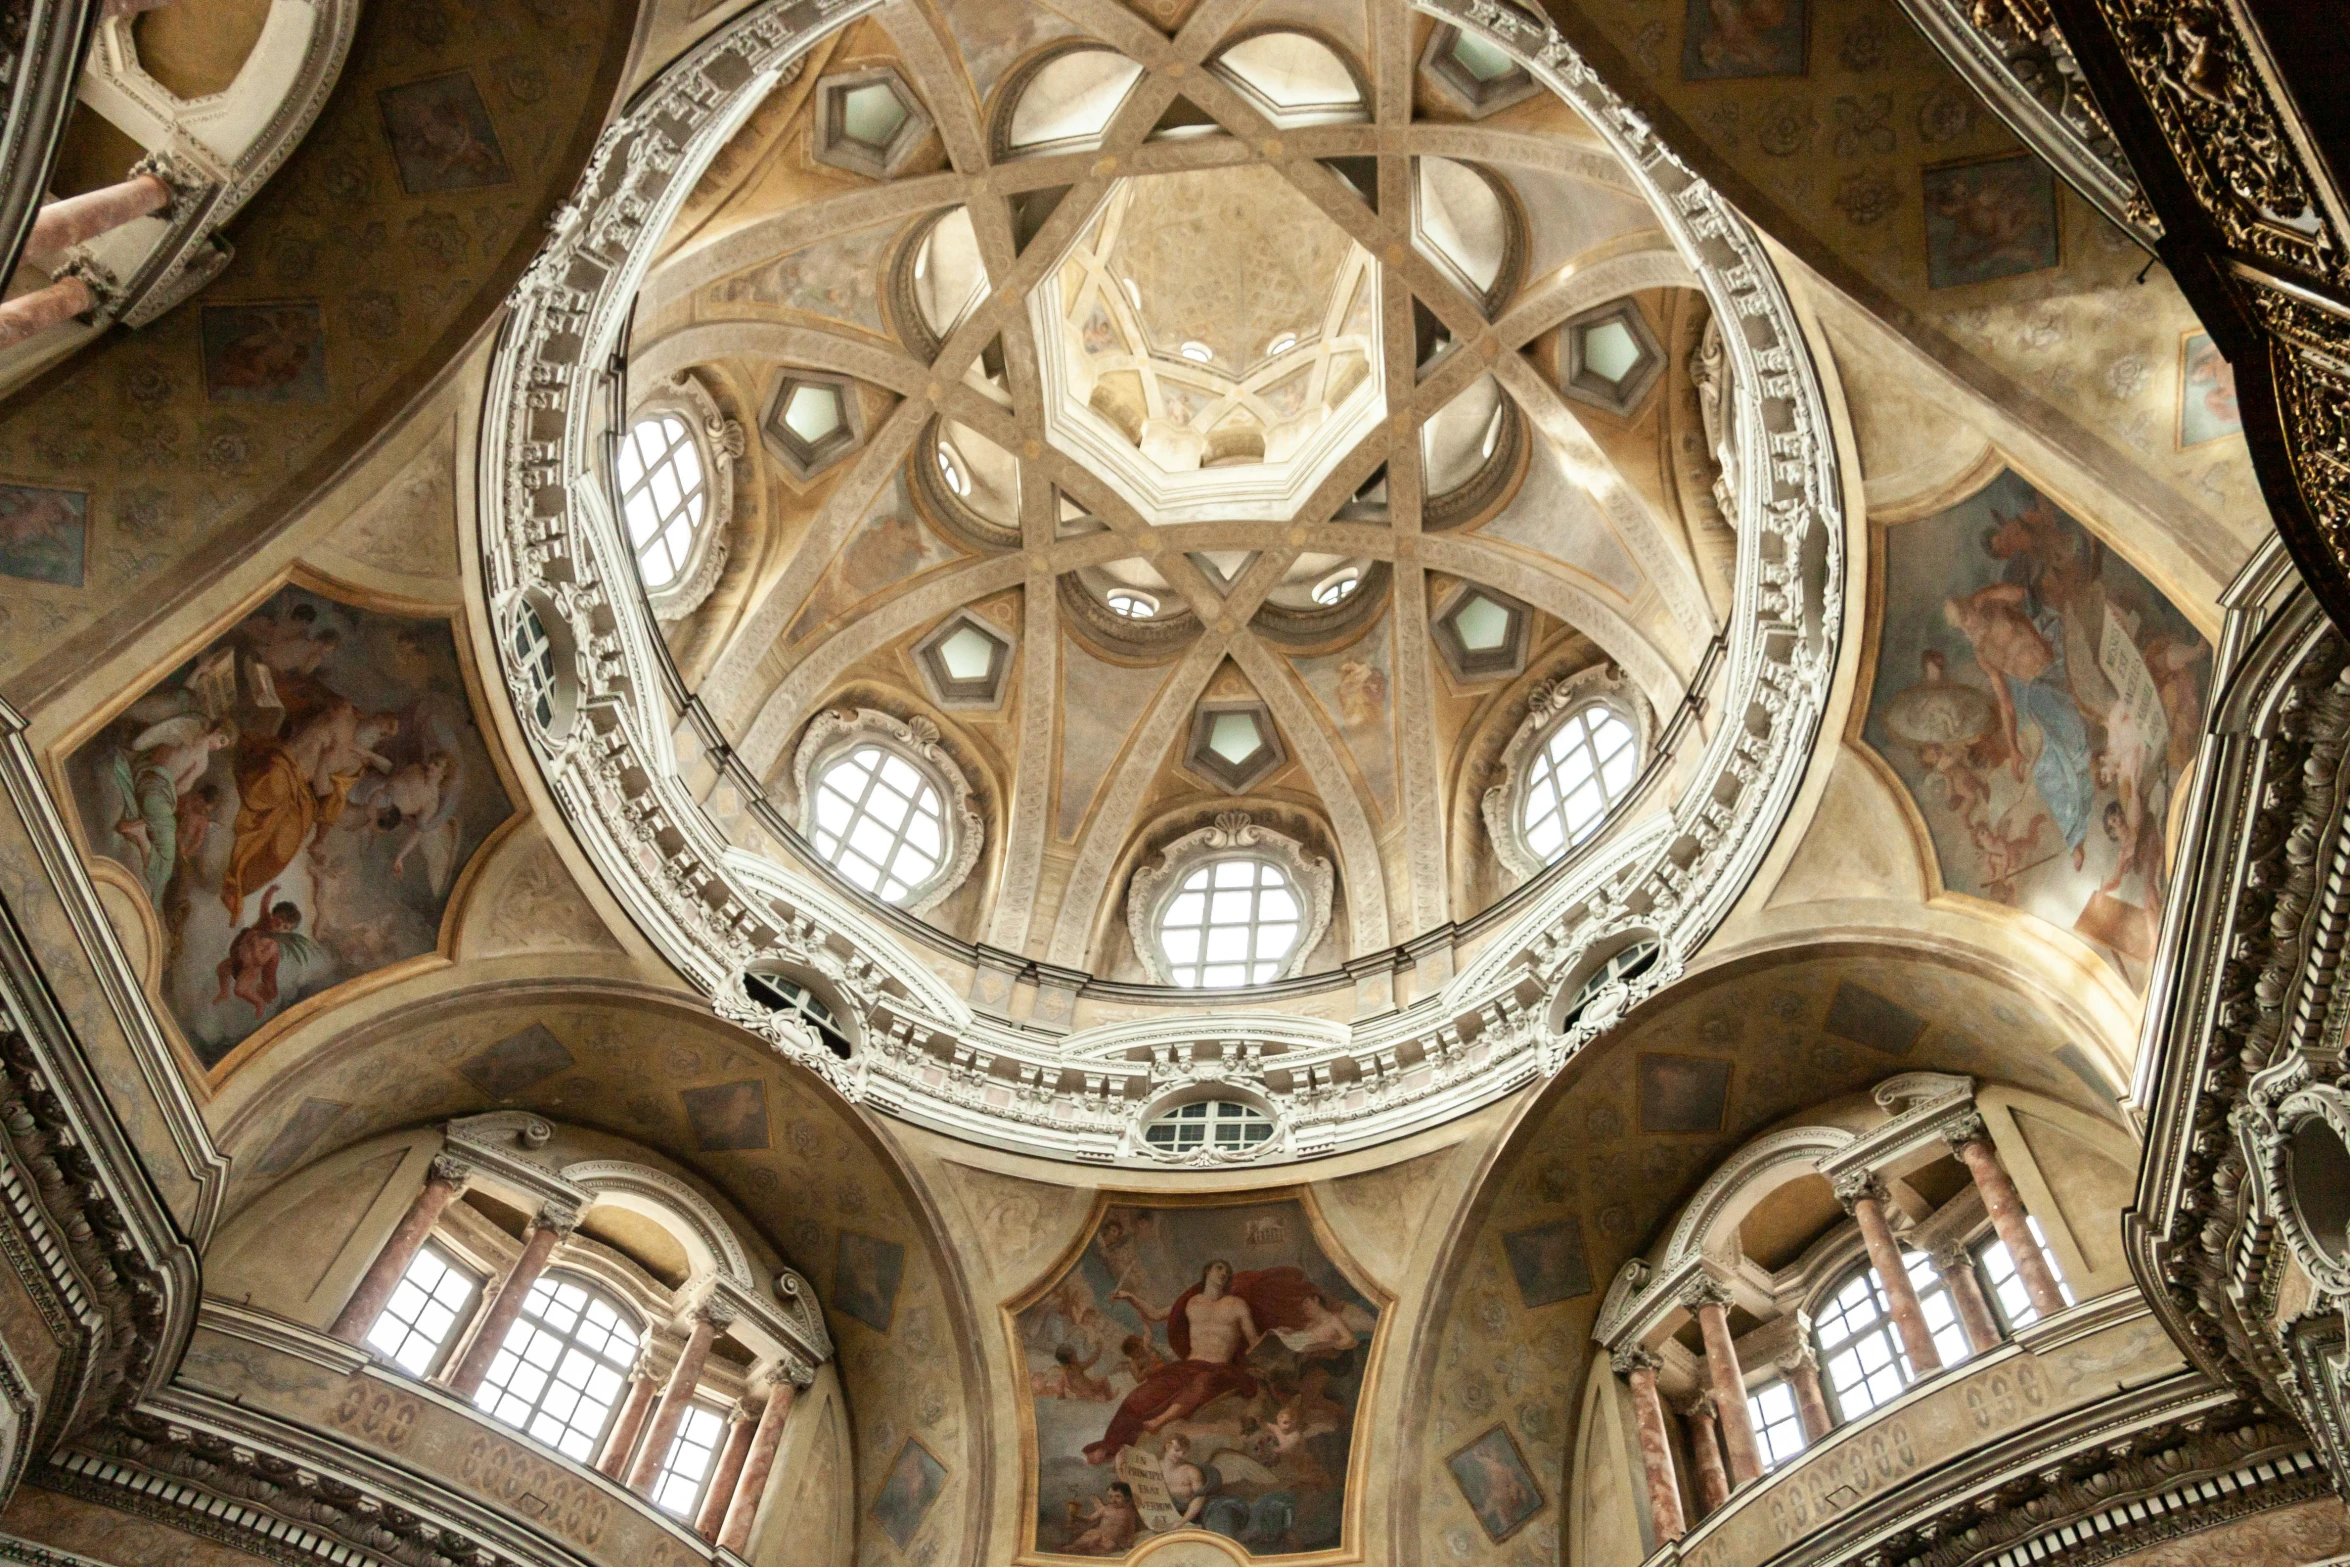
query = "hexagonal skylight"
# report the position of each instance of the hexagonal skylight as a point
(1211, 345)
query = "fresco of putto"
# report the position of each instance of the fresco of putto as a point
(295, 801)
(1196, 1368)
(2041, 701)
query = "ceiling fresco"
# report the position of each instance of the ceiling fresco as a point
(1841, 128)
(1137, 441)
(294, 805)
(1196, 1367)
(371, 257)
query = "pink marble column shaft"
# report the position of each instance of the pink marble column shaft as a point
(631, 1420)
(1811, 1401)
(743, 1510)
(391, 1264)
(720, 1494)
(1957, 1268)
(43, 308)
(1729, 1385)
(1638, 1369)
(1705, 1454)
(506, 1305)
(2006, 1208)
(1867, 1207)
(661, 1430)
(68, 222)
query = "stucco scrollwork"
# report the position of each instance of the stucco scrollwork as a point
(1552, 702)
(1232, 835)
(836, 731)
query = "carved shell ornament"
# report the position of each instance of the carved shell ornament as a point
(715, 904)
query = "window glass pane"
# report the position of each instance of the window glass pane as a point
(880, 821)
(433, 1296)
(662, 486)
(692, 1451)
(1778, 1425)
(561, 1368)
(1246, 928)
(2006, 1286)
(1583, 769)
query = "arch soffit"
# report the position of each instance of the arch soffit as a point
(709, 1241)
(1745, 1178)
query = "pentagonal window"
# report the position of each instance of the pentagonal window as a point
(1234, 745)
(1612, 358)
(1472, 75)
(965, 662)
(812, 423)
(1482, 634)
(868, 122)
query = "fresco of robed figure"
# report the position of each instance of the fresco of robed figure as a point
(2041, 701)
(1196, 1368)
(295, 802)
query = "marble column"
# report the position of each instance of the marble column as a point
(719, 1494)
(63, 224)
(1710, 1302)
(1957, 1266)
(441, 1184)
(1705, 1453)
(546, 1232)
(1972, 1144)
(1638, 1369)
(1802, 1368)
(1864, 1199)
(622, 1442)
(709, 1318)
(784, 1384)
(30, 314)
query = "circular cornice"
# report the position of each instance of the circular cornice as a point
(715, 908)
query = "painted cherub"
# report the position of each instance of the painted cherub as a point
(250, 969)
(1115, 1521)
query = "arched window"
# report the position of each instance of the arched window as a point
(1232, 921)
(432, 1298)
(1582, 768)
(881, 821)
(1222, 1124)
(1861, 1358)
(561, 1369)
(664, 497)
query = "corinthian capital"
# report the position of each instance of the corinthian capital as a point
(1853, 1185)
(1963, 1128)
(1704, 1290)
(1634, 1358)
(561, 1217)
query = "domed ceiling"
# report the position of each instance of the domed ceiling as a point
(1253, 441)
